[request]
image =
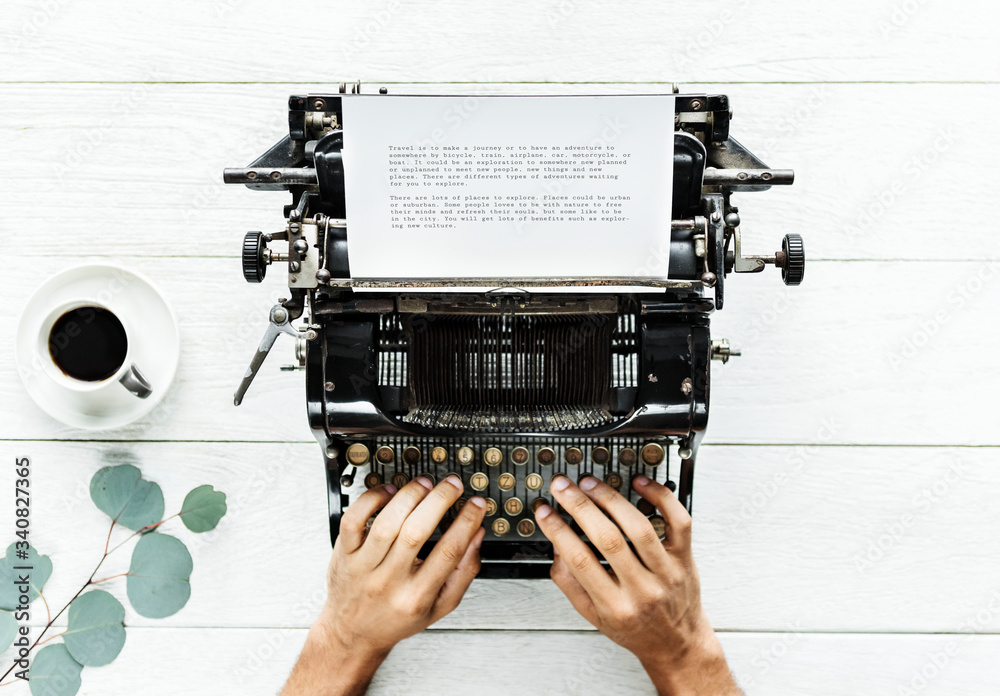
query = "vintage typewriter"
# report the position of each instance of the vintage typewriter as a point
(508, 387)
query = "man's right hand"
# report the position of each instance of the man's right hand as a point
(650, 601)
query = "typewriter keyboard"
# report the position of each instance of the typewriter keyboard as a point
(512, 477)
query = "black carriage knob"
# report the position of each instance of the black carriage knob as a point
(793, 259)
(254, 265)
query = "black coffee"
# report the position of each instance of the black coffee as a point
(88, 343)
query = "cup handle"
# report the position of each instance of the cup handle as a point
(135, 382)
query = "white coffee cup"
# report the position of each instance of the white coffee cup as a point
(69, 322)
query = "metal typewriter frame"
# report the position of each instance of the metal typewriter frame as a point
(709, 167)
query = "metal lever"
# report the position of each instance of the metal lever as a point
(279, 323)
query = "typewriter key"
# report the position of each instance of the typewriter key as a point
(659, 526)
(501, 526)
(652, 454)
(439, 455)
(506, 482)
(533, 482)
(411, 455)
(385, 455)
(614, 480)
(537, 503)
(645, 507)
(519, 455)
(459, 504)
(626, 456)
(493, 456)
(573, 455)
(430, 477)
(479, 481)
(513, 506)
(372, 480)
(465, 455)
(357, 454)
(526, 528)
(600, 455)
(400, 480)
(491, 507)
(546, 456)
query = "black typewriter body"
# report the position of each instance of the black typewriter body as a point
(510, 387)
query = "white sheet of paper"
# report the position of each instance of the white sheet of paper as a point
(508, 186)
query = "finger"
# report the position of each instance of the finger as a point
(635, 525)
(580, 560)
(573, 590)
(459, 579)
(451, 548)
(676, 518)
(354, 522)
(386, 526)
(602, 532)
(424, 519)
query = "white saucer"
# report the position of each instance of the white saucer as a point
(156, 353)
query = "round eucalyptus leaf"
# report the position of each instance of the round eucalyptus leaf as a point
(95, 629)
(34, 567)
(159, 578)
(203, 508)
(54, 672)
(121, 493)
(8, 630)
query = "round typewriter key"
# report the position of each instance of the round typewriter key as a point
(645, 507)
(519, 455)
(430, 477)
(357, 454)
(626, 456)
(439, 455)
(400, 480)
(546, 456)
(465, 455)
(385, 455)
(491, 507)
(652, 454)
(479, 481)
(573, 455)
(500, 526)
(537, 503)
(600, 455)
(493, 456)
(533, 482)
(411, 455)
(659, 526)
(506, 482)
(614, 480)
(372, 480)
(526, 528)
(459, 504)
(513, 506)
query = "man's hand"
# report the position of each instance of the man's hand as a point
(379, 591)
(650, 601)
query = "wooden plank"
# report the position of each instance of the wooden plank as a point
(865, 348)
(786, 538)
(138, 168)
(258, 660)
(572, 40)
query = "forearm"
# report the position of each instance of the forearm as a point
(700, 671)
(327, 668)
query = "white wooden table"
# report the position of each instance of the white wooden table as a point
(831, 439)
